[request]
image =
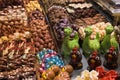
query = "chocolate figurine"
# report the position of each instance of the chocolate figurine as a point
(76, 58)
(111, 58)
(94, 61)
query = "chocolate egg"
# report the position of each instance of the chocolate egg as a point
(55, 68)
(68, 68)
(64, 74)
(48, 74)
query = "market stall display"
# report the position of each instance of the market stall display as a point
(21, 37)
(29, 30)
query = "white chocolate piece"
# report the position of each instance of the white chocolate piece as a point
(94, 75)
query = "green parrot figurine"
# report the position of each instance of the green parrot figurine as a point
(109, 40)
(90, 45)
(69, 42)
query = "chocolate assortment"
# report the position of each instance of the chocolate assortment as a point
(61, 25)
(64, 73)
(83, 22)
(76, 14)
(95, 19)
(11, 19)
(56, 13)
(23, 33)
(91, 25)
(28, 49)
(81, 10)
(14, 62)
(22, 73)
(41, 35)
(5, 3)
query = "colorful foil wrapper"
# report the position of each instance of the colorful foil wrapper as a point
(47, 58)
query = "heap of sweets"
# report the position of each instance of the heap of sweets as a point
(56, 13)
(57, 73)
(15, 47)
(12, 62)
(12, 18)
(39, 29)
(61, 25)
(26, 36)
(47, 58)
(22, 73)
(32, 5)
(83, 22)
(81, 10)
(99, 27)
(95, 19)
(17, 61)
(5, 3)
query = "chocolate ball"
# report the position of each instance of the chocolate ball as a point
(50, 74)
(55, 68)
(68, 68)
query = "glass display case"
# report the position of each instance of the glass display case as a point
(112, 7)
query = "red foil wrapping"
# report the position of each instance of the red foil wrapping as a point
(106, 75)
